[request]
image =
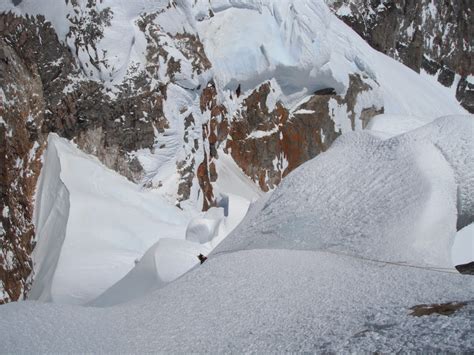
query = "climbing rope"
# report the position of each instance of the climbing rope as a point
(395, 263)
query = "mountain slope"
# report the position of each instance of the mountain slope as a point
(171, 96)
(430, 36)
(261, 292)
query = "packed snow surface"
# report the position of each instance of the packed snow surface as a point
(332, 260)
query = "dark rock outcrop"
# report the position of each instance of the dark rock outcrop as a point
(45, 89)
(435, 36)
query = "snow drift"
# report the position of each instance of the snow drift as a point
(396, 200)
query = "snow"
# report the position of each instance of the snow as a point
(164, 262)
(414, 187)
(299, 45)
(260, 134)
(387, 126)
(259, 301)
(463, 248)
(169, 259)
(331, 261)
(102, 223)
(232, 180)
(106, 224)
(303, 47)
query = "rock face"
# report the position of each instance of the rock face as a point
(44, 89)
(434, 36)
(267, 145)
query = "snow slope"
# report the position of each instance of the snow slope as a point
(260, 300)
(414, 187)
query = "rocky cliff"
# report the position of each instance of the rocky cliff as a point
(431, 36)
(144, 89)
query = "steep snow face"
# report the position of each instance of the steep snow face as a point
(412, 186)
(453, 137)
(92, 225)
(51, 217)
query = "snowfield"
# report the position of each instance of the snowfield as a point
(260, 300)
(332, 260)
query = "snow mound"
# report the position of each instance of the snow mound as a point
(101, 223)
(463, 248)
(202, 230)
(169, 259)
(164, 262)
(412, 187)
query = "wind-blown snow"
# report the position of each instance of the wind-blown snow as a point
(414, 187)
